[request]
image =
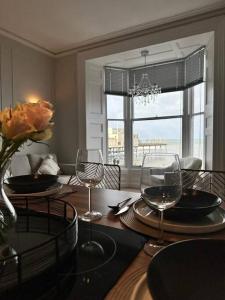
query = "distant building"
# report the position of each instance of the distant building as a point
(116, 138)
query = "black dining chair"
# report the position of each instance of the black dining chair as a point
(111, 180)
(205, 180)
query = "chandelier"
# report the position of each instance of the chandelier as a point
(145, 91)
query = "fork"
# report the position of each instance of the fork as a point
(117, 207)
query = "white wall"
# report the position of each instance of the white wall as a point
(75, 82)
(66, 124)
(25, 72)
(95, 108)
(208, 122)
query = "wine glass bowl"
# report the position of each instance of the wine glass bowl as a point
(161, 197)
(161, 188)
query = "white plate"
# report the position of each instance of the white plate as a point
(210, 223)
(141, 291)
(50, 191)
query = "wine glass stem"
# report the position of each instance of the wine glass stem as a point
(161, 231)
(89, 199)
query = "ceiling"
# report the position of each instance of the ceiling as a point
(59, 25)
(157, 53)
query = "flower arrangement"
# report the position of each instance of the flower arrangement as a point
(27, 121)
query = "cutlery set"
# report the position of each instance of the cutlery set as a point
(122, 206)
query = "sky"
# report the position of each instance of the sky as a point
(166, 104)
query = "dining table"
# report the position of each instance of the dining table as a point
(100, 199)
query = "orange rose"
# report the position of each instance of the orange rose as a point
(26, 119)
(38, 114)
(15, 125)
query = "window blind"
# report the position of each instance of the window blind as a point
(170, 76)
(195, 68)
(116, 81)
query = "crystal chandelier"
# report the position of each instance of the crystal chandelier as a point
(145, 91)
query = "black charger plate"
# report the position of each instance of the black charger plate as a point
(193, 204)
(31, 183)
(193, 269)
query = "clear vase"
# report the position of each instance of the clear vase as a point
(8, 219)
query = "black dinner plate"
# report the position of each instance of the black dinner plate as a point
(31, 183)
(193, 204)
(189, 270)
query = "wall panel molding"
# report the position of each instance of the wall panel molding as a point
(219, 99)
(26, 42)
(12, 76)
(24, 72)
(0, 76)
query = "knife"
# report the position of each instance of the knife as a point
(125, 208)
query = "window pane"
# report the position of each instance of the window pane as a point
(156, 136)
(198, 99)
(198, 135)
(114, 107)
(166, 104)
(116, 142)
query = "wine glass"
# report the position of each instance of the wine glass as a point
(161, 188)
(90, 172)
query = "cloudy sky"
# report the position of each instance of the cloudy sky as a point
(169, 104)
(166, 104)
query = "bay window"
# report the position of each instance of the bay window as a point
(173, 123)
(134, 129)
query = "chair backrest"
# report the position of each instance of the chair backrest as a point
(205, 180)
(112, 175)
(190, 163)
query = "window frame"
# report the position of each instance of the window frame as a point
(180, 116)
(107, 123)
(186, 126)
(192, 114)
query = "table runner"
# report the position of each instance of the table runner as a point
(84, 276)
(84, 280)
(101, 280)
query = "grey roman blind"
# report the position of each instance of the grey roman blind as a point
(170, 76)
(195, 68)
(116, 81)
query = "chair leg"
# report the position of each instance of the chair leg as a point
(70, 179)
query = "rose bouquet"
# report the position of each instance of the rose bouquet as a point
(27, 121)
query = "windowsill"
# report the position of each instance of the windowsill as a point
(130, 169)
(127, 189)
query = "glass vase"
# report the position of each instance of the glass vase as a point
(8, 219)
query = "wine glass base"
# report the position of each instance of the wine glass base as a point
(151, 248)
(92, 248)
(7, 251)
(90, 216)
